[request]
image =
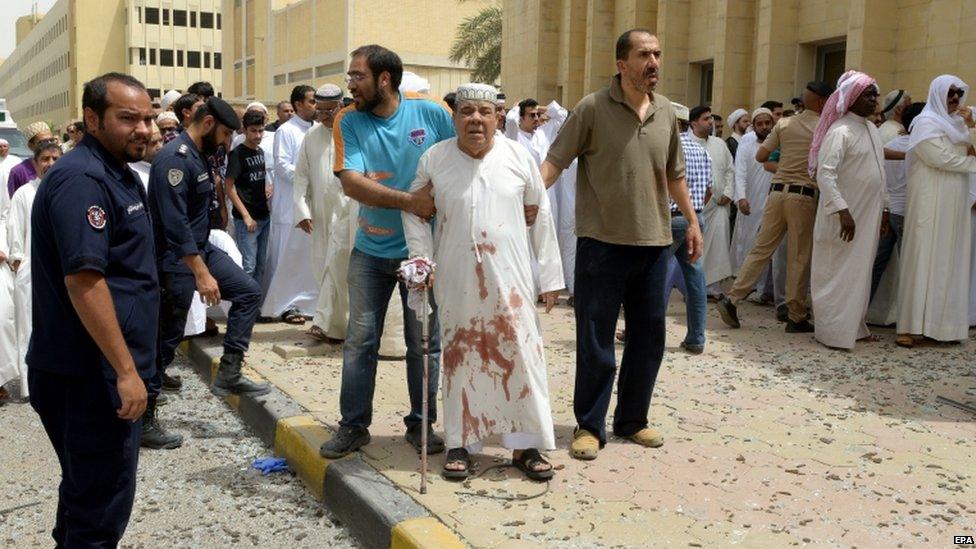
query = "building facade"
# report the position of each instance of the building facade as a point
(274, 45)
(164, 43)
(736, 53)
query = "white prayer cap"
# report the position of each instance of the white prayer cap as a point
(167, 115)
(500, 99)
(328, 92)
(476, 92)
(891, 101)
(410, 82)
(35, 128)
(761, 110)
(680, 111)
(169, 98)
(735, 116)
(256, 105)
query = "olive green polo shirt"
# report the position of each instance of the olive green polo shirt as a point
(624, 167)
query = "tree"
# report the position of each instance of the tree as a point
(478, 43)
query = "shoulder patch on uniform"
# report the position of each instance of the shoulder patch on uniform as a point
(96, 217)
(182, 149)
(202, 177)
(175, 176)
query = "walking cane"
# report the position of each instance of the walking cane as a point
(424, 339)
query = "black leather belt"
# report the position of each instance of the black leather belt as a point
(679, 214)
(795, 189)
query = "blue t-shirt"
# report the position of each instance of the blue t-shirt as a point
(387, 150)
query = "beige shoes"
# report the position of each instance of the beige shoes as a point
(648, 437)
(585, 445)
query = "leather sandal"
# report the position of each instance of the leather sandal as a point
(528, 462)
(457, 455)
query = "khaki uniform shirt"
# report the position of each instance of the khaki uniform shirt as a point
(624, 167)
(792, 136)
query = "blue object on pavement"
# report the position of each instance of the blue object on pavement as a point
(270, 465)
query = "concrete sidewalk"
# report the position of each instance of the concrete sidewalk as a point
(771, 440)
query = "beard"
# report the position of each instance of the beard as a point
(369, 104)
(640, 81)
(210, 143)
(134, 152)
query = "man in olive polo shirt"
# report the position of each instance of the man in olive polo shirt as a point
(630, 165)
(790, 211)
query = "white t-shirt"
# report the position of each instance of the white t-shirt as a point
(896, 176)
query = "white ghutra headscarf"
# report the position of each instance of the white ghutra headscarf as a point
(935, 121)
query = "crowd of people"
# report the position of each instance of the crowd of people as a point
(149, 214)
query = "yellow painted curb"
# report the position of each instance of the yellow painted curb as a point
(297, 439)
(423, 532)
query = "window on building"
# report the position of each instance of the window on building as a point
(193, 59)
(179, 58)
(206, 59)
(218, 21)
(217, 63)
(831, 59)
(206, 20)
(152, 56)
(154, 93)
(179, 18)
(138, 14)
(280, 80)
(165, 16)
(303, 75)
(142, 56)
(193, 19)
(152, 16)
(705, 83)
(165, 57)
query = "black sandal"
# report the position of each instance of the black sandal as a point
(457, 455)
(527, 463)
(293, 316)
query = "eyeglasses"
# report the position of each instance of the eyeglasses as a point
(355, 76)
(955, 92)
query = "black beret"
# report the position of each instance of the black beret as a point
(223, 113)
(822, 89)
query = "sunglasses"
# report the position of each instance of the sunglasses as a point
(955, 92)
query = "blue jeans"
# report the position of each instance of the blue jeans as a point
(253, 246)
(371, 283)
(609, 276)
(886, 245)
(693, 275)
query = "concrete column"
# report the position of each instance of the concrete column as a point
(672, 31)
(776, 51)
(600, 41)
(871, 40)
(734, 56)
(530, 48)
(572, 52)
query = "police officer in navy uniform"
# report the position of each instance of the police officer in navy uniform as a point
(96, 289)
(180, 184)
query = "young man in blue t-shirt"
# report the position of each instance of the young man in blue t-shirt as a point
(377, 147)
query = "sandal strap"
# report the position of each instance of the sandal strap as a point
(532, 457)
(458, 454)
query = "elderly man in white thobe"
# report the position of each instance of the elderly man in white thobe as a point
(849, 165)
(316, 196)
(933, 292)
(716, 257)
(493, 359)
(292, 289)
(893, 108)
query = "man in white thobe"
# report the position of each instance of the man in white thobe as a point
(716, 257)
(751, 188)
(19, 242)
(292, 289)
(8, 329)
(933, 291)
(851, 178)
(535, 141)
(492, 359)
(738, 122)
(565, 193)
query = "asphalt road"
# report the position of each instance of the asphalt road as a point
(204, 494)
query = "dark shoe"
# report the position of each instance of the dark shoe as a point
(693, 349)
(435, 444)
(172, 384)
(153, 435)
(801, 327)
(344, 442)
(457, 455)
(230, 381)
(729, 313)
(571, 301)
(782, 313)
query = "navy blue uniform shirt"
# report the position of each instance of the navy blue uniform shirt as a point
(179, 199)
(90, 214)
